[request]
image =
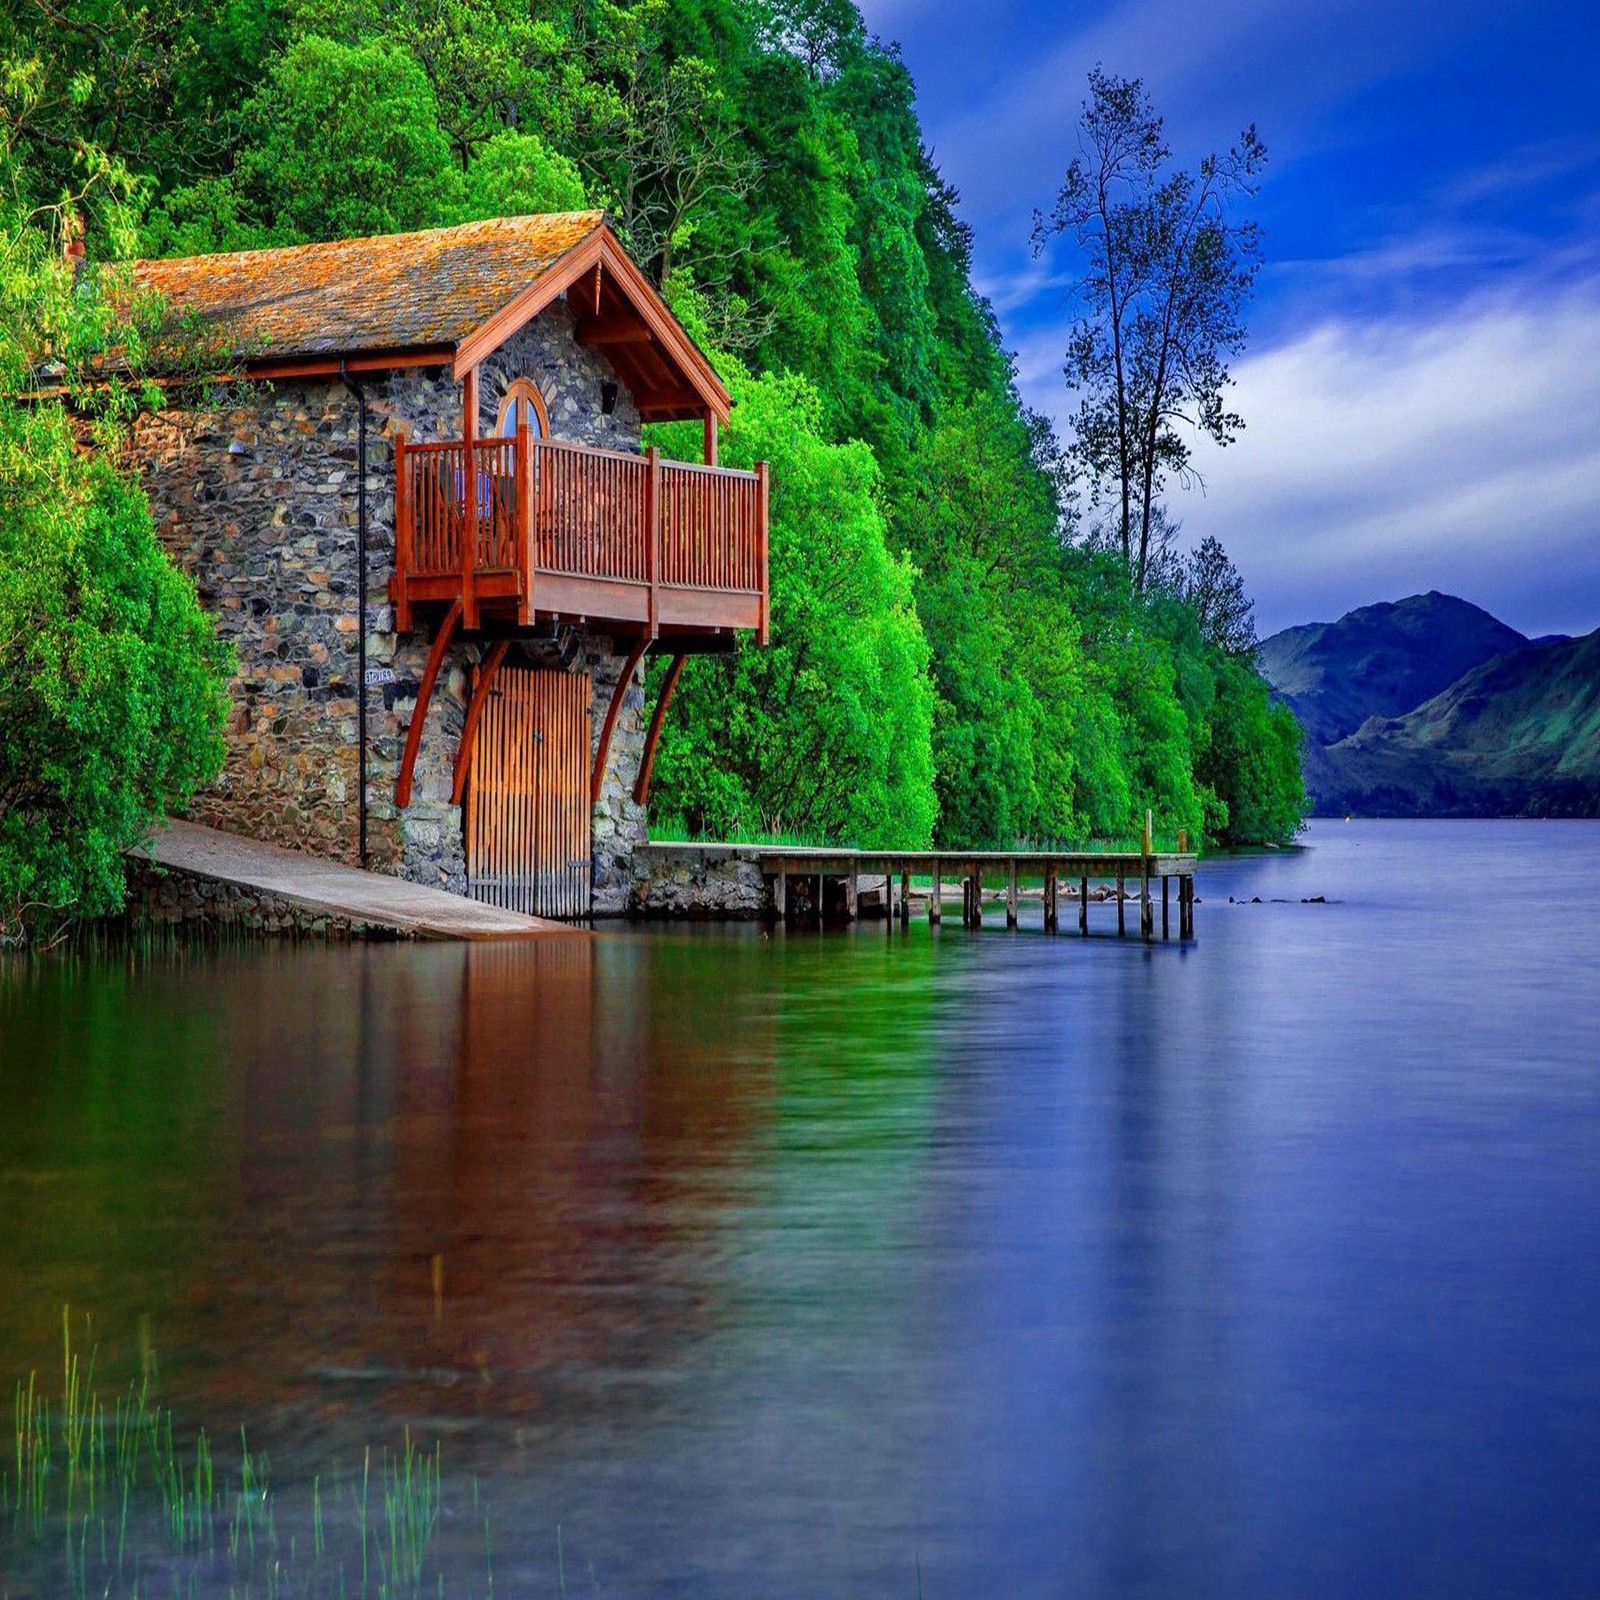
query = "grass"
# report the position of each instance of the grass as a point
(118, 1500)
(675, 830)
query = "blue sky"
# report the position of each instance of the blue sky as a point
(1422, 388)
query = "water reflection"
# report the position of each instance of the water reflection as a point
(792, 1265)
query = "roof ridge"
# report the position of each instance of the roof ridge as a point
(282, 251)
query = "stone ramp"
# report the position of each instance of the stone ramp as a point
(328, 888)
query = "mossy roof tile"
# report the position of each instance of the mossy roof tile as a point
(390, 292)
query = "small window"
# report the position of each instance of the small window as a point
(523, 403)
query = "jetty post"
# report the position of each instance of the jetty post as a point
(936, 903)
(1011, 895)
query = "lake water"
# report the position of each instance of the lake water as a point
(939, 1263)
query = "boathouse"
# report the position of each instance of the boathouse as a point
(425, 519)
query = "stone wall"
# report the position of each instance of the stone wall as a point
(256, 498)
(159, 897)
(569, 376)
(705, 880)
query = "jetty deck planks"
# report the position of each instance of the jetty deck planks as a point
(782, 865)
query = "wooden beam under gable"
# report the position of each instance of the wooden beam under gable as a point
(622, 281)
(612, 331)
(674, 400)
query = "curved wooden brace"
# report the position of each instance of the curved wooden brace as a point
(430, 674)
(603, 749)
(641, 790)
(469, 729)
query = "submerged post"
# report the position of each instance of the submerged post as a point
(1083, 906)
(1011, 896)
(1122, 919)
(936, 902)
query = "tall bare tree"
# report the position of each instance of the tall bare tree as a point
(1168, 268)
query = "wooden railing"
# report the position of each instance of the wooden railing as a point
(478, 507)
(439, 479)
(707, 516)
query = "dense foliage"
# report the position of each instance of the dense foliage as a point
(112, 683)
(951, 661)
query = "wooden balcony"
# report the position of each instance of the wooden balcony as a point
(525, 530)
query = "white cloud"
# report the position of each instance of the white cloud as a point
(1380, 458)
(1402, 436)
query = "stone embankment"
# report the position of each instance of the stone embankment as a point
(702, 881)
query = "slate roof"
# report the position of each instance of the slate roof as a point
(394, 291)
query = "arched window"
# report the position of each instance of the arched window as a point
(523, 403)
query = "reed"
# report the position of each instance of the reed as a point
(118, 1500)
(411, 1500)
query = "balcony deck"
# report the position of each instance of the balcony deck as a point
(526, 530)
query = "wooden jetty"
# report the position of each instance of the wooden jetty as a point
(1151, 875)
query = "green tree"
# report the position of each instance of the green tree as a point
(341, 140)
(1213, 587)
(514, 174)
(979, 522)
(112, 682)
(829, 730)
(154, 86)
(1252, 760)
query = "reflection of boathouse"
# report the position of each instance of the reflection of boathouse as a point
(451, 419)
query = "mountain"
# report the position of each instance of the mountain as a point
(1382, 660)
(1518, 735)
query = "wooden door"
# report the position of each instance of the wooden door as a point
(528, 799)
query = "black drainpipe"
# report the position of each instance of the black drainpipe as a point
(361, 599)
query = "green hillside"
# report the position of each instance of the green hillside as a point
(1379, 661)
(950, 661)
(1519, 735)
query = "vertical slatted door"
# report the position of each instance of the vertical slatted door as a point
(528, 846)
